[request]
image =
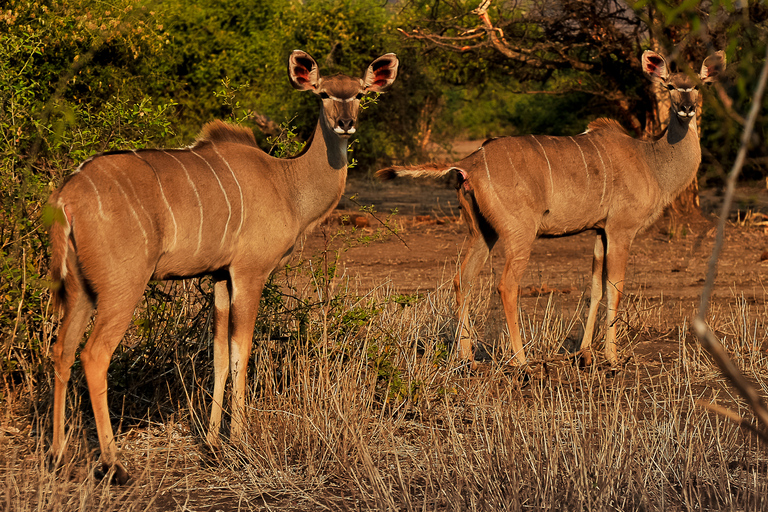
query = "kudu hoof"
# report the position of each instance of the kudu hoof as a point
(583, 358)
(519, 375)
(119, 476)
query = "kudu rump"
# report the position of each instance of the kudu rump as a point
(221, 207)
(514, 189)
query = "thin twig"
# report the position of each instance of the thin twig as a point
(373, 214)
(706, 337)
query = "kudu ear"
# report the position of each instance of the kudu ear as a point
(381, 73)
(712, 67)
(655, 66)
(302, 71)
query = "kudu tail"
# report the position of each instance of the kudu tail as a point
(420, 171)
(63, 268)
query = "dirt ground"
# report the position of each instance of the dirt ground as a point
(669, 259)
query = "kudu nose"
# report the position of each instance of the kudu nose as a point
(346, 125)
(687, 110)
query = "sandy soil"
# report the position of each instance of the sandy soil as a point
(669, 259)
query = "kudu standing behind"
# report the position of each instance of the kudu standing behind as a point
(221, 207)
(514, 189)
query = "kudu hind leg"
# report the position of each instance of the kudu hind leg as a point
(77, 312)
(113, 316)
(483, 238)
(220, 356)
(470, 267)
(509, 288)
(595, 296)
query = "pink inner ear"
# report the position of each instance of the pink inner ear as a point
(652, 64)
(381, 76)
(301, 73)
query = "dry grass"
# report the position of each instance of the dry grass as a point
(356, 403)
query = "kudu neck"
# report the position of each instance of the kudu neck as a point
(677, 155)
(679, 128)
(320, 174)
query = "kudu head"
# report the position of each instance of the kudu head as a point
(683, 88)
(341, 94)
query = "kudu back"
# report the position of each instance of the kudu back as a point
(515, 189)
(221, 207)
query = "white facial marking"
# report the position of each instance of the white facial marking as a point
(239, 188)
(199, 201)
(165, 200)
(226, 198)
(549, 165)
(342, 100)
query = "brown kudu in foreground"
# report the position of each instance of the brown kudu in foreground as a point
(514, 189)
(221, 207)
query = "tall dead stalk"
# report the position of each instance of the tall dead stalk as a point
(707, 338)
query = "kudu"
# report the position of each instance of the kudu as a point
(221, 207)
(515, 189)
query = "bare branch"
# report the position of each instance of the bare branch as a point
(735, 418)
(707, 338)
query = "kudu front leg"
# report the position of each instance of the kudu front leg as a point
(221, 300)
(616, 266)
(596, 295)
(245, 297)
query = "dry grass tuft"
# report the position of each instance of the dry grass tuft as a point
(356, 401)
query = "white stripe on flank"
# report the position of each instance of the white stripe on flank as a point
(586, 168)
(199, 201)
(98, 196)
(605, 171)
(610, 166)
(165, 200)
(239, 188)
(67, 233)
(226, 198)
(509, 159)
(551, 181)
(487, 170)
(133, 191)
(135, 216)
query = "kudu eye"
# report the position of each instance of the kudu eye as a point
(671, 87)
(359, 96)
(324, 95)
